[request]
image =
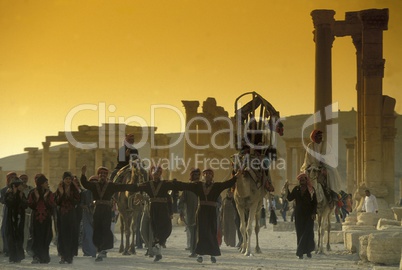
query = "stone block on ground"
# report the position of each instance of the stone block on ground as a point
(384, 248)
(351, 239)
(347, 228)
(384, 224)
(367, 219)
(363, 247)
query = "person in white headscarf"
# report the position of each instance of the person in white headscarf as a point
(319, 164)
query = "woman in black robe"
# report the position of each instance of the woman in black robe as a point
(305, 213)
(17, 203)
(41, 201)
(102, 193)
(208, 192)
(67, 197)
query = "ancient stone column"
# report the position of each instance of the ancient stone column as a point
(289, 164)
(388, 147)
(301, 153)
(191, 108)
(374, 22)
(45, 159)
(350, 165)
(99, 159)
(357, 41)
(400, 192)
(323, 21)
(72, 167)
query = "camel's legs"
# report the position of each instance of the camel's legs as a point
(121, 233)
(242, 229)
(134, 231)
(127, 231)
(257, 230)
(329, 229)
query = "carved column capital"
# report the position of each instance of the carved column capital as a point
(350, 142)
(375, 19)
(191, 106)
(46, 145)
(322, 17)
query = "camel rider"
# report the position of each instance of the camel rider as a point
(316, 168)
(126, 152)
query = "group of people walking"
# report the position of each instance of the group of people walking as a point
(93, 196)
(44, 207)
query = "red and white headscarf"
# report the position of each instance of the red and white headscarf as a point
(309, 184)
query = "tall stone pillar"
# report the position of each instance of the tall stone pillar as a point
(374, 22)
(388, 147)
(191, 108)
(323, 36)
(350, 165)
(72, 159)
(289, 164)
(301, 153)
(400, 193)
(98, 158)
(357, 41)
(46, 159)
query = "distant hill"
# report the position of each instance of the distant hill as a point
(17, 162)
(14, 163)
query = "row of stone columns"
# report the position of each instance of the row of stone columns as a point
(375, 126)
(71, 158)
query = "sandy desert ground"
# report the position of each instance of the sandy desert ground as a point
(278, 253)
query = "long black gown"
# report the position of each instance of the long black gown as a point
(102, 218)
(306, 206)
(15, 224)
(67, 223)
(42, 211)
(207, 227)
(160, 210)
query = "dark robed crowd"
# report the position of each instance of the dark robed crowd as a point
(90, 201)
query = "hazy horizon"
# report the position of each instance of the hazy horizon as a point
(70, 63)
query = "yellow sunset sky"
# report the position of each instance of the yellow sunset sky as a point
(127, 55)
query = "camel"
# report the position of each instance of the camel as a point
(248, 196)
(255, 139)
(324, 211)
(129, 205)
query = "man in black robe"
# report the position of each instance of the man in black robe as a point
(160, 209)
(102, 192)
(208, 192)
(188, 205)
(305, 213)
